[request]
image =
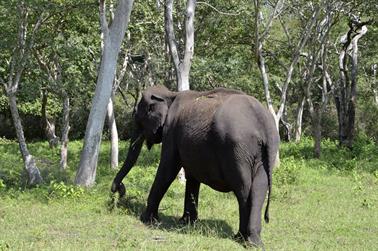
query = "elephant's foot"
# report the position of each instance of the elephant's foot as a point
(149, 218)
(188, 219)
(251, 240)
(118, 187)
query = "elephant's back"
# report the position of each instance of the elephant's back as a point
(194, 112)
(242, 117)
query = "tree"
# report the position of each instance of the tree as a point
(261, 36)
(181, 65)
(63, 58)
(113, 36)
(316, 63)
(346, 88)
(53, 70)
(112, 125)
(16, 66)
(54, 74)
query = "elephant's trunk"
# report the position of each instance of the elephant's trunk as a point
(132, 156)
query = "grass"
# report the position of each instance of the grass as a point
(326, 204)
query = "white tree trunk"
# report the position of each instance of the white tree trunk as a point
(113, 37)
(182, 66)
(374, 85)
(298, 123)
(189, 46)
(65, 131)
(29, 162)
(183, 80)
(113, 135)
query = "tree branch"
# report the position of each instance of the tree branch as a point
(103, 21)
(220, 12)
(302, 42)
(121, 18)
(170, 34)
(277, 10)
(286, 31)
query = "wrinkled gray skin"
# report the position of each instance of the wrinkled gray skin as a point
(223, 138)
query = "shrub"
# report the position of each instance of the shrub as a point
(287, 173)
(2, 185)
(367, 121)
(61, 190)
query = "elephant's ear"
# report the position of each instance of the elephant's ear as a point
(157, 110)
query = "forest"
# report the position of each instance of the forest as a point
(73, 72)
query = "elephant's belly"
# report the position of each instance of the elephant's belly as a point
(213, 180)
(202, 164)
(218, 186)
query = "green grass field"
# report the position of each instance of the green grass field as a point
(326, 204)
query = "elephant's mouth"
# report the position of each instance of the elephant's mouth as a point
(155, 138)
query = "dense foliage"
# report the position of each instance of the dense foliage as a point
(224, 56)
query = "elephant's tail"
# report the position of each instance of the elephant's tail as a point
(272, 154)
(269, 175)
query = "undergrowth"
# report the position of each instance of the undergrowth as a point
(324, 204)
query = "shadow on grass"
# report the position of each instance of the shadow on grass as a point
(204, 227)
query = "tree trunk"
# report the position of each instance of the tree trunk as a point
(298, 123)
(113, 135)
(315, 124)
(113, 37)
(65, 131)
(346, 96)
(317, 131)
(29, 162)
(374, 84)
(287, 126)
(265, 79)
(182, 66)
(48, 125)
(189, 46)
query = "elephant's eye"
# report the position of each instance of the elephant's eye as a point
(151, 107)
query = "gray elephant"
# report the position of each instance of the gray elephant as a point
(223, 138)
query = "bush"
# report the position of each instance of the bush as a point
(367, 121)
(2, 185)
(287, 173)
(61, 190)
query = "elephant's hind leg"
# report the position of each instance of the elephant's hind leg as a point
(258, 192)
(239, 179)
(244, 202)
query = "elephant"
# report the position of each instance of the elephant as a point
(223, 138)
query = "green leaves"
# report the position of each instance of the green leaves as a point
(61, 190)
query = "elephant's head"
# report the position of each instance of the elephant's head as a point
(151, 113)
(150, 116)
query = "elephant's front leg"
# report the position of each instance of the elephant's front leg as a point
(166, 173)
(191, 201)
